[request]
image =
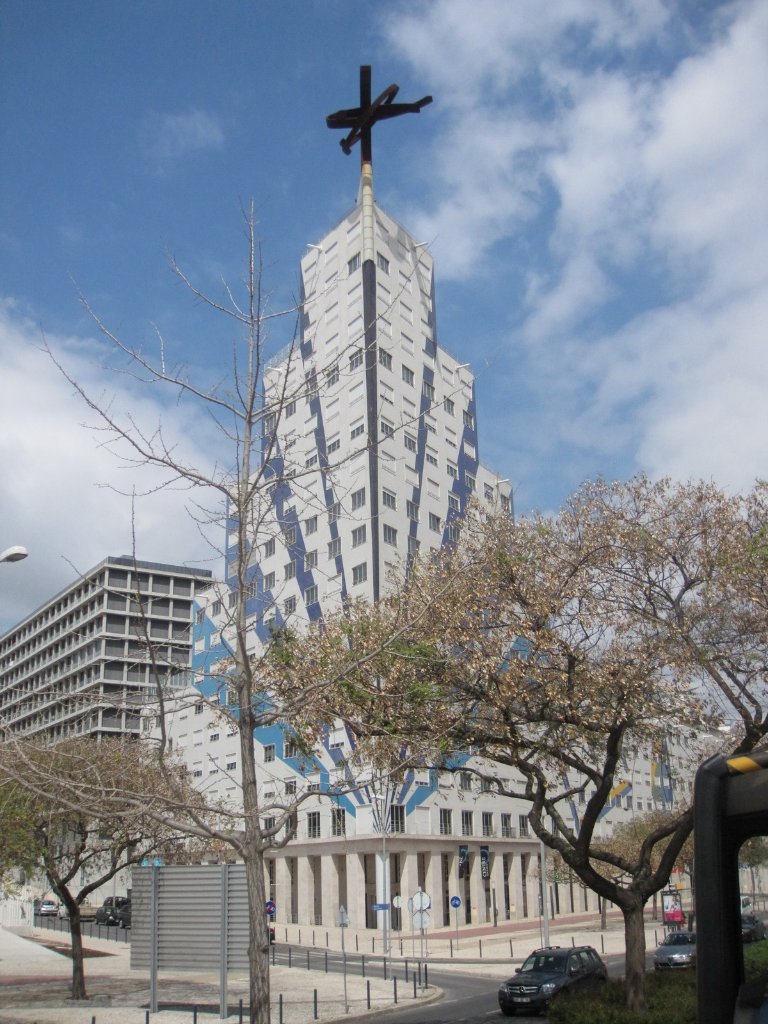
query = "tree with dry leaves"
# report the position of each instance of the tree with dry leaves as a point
(639, 605)
(49, 824)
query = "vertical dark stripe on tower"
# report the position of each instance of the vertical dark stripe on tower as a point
(372, 404)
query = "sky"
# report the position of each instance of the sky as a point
(590, 178)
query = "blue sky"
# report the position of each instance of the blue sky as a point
(590, 177)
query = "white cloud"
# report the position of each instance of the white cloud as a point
(633, 170)
(170, 137)
(57, 477)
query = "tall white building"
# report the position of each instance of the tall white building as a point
(373, 454)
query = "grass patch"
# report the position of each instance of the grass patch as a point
(755, 959)
(670, 999)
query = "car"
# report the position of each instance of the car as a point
(47, 908)
(123, 915)
(677, 949)
(752, 928)
(550, 972)
(108, 911)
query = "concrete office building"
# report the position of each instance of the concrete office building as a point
(80, 664)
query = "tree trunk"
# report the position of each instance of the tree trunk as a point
(258, 938)
(634, 939)
(78, 966)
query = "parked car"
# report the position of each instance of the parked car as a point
(123, 915)
(108, 911)
(678, 949)
(47, 908)
(752, 928)
(548, 972)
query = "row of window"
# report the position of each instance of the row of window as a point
(487, 824)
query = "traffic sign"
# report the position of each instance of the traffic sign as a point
(455, 902)
(397, 902)
(421, 900)
(270, 907)
(380, 906)
(342, 918)
(421, 920)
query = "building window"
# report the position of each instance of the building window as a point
(453, 503)
(382, 263)
(332, 376)
(290, 785)
(313, 824)
(310, 595)
(269, 548)
(390, 535)
(334, 512)
(410, 442)
(487, 823)
(522, 826)
(290, 408)
(507, 831)
(385, 359)
(310, 462)
(469, 481)
(358, 499)
(488, 492)
(231, 766)
(269, 581)
(310, 559)
(356, 359)
(431, 459)
(357, 430)
(387, 430)
(408, 376)
(467, 826)
(428, 390)
(454, 532)
(397, 818)
(354, 263)
(465, 781)
(359, 573)
(269, 823)
(289, 748)
(434, 522)
(468, 420)
(446, 822)
(338, 821)
(310, 525)
(200, 616)
(412, 510)
(216, 608)
(269, 752)
(290, 570)
(334, 547)
(449, 406)
(199, 708)
(289, 605)
(213, 737)
(358, 536)
(333, 446)
(413, 546)
(290, 536)
(389, 499)
(453, 470)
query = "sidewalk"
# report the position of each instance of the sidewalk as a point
(34, 980)
(35, 984)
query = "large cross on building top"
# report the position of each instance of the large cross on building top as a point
(360, 120)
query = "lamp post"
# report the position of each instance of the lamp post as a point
(13, 554)
(383, 815)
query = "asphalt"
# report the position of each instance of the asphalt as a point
(35, 973)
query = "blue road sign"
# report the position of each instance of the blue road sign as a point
(455, 902)
(380, 906)
(270, 907)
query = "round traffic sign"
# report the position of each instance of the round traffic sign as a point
(455, 902)
(421, 900)
(270, 907)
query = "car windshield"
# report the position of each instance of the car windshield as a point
(679, 939)
(545, 962)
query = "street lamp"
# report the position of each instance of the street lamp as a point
(383, 816)
(13, 554)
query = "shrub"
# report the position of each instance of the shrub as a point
(670, 999)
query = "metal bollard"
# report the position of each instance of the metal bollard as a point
(368, 993)
(314, 1004)
(573, 941)
(239, 1013)
(414, 984)
(426, 976)
(384, 965)
(290, 951)
(357, 947)
(146, 1017)
(307, 959)
(394, 980)
(373, 943)
(602, 944)
(326, 961)
(451, 942)
(194, 1015)
(480, 944)
(406, 972)
(510, 948)
(362, 964)
(280, 1003)
(313, 936)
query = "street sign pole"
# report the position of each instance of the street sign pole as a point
(343, 921)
